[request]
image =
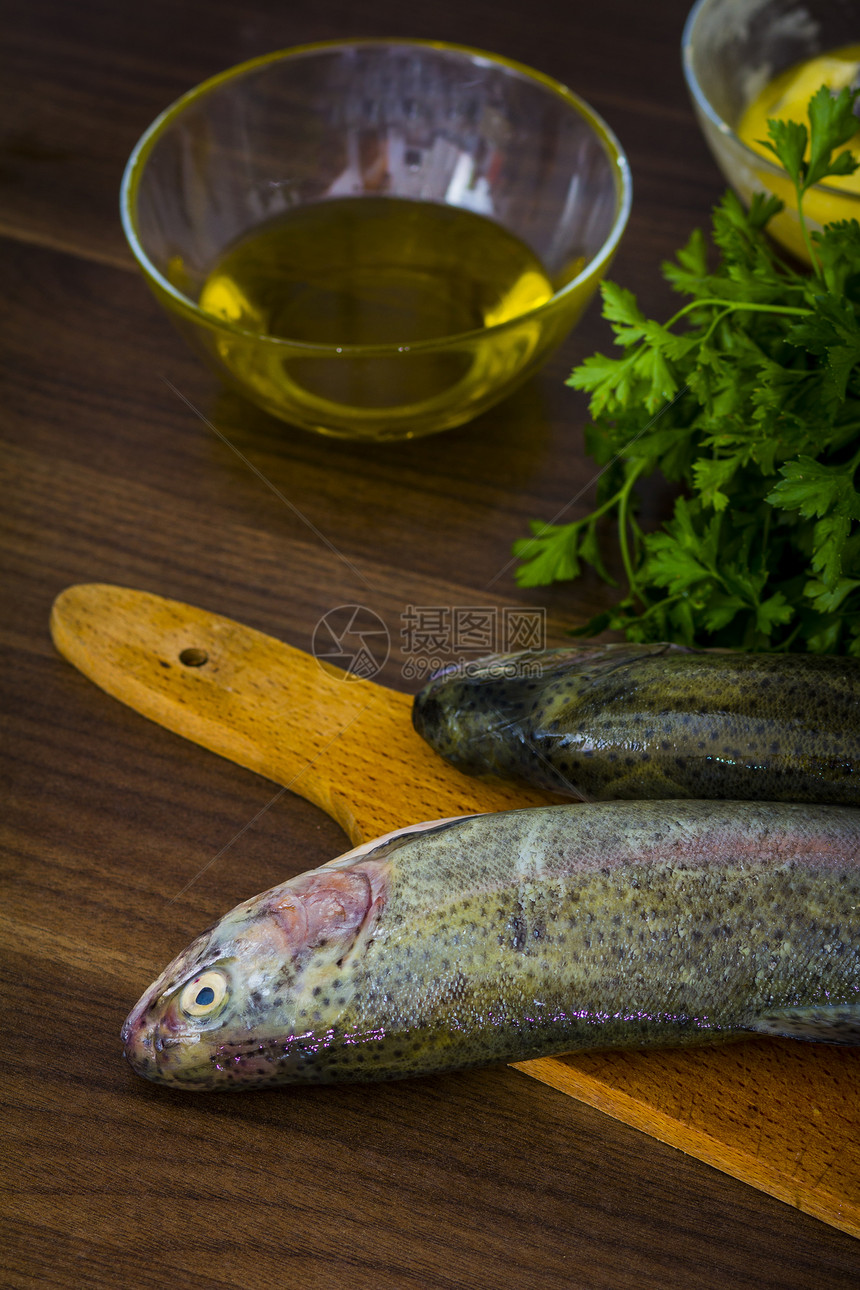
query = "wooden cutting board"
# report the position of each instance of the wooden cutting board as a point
(780, 1115)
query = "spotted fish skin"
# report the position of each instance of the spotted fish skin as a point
(508, 936)
(653, 721)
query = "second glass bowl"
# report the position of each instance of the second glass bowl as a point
(376, 239)
(733, 49)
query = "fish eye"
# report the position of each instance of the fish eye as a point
(203, 994)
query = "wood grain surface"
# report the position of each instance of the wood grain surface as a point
(475, 1180)
(344, 742)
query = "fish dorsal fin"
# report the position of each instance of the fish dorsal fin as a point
(391, 841)
(838, 1023)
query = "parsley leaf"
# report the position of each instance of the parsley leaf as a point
(749, 399)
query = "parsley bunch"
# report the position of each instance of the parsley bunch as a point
(748, 398)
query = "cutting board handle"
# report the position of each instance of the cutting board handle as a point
(344, 743)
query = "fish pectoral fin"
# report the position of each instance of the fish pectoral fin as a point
(838, 1023)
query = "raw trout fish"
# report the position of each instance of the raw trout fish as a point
(524, 933)
(597, 722)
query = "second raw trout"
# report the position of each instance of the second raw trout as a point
(596, 722)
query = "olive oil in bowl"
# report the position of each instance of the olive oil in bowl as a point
(378, 310)
(376, 239)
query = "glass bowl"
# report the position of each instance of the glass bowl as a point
(732, 49)
(376, 239)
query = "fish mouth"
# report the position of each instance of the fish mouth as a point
(156, 1046)
(138, 1048)
(136, 1036)
(160, 1055)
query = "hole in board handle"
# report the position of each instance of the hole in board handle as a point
(193, 657)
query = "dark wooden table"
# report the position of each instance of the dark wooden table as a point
(476, 1180)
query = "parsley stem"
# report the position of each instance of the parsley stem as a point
(608, 505)
(731, 306)
(807, 242)
(785, 645)
(715, 322)
(624, 495)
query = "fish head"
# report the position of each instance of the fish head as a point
(485, 716)
(476, 714)
(242, 1005)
